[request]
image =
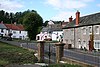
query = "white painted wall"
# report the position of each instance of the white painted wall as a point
(4, 32)
(56, 34)
(18, 34)
(53, 35)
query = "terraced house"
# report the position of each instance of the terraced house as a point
(17, 31)
(83, 32)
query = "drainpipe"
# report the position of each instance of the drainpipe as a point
(91, 42)
(74, 37)
(92, 38)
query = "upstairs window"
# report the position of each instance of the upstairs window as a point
(84, 30)
(90, 30)
(97, 29)
(72, 31)
(20, 32)
(2, 30)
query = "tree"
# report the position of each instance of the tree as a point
(32, 22)
(2, 15)
(45, 23)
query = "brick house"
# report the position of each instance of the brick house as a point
(83, 32)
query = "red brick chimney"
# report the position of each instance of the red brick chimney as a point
(77, 17)
(70, 19)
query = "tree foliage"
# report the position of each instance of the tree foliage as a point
(32, 22)
(45, 23)
(13, 17)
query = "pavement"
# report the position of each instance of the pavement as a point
(92, 53)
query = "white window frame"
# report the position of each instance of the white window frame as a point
(20, 36)
(20, 32)
(79, 41)
(84, 30)
(90, 29)
(84, 43)
(14, 32)
(96, 30)
(72, 31)
(2, 30)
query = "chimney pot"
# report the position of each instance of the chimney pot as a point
(70, 19)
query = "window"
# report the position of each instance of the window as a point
(90, 30)
(79, 41)
(97, 44)
(97, 29)
(84, 30)
(2, 30)
(84, 43)
(14, 36)
(20, 32)
(38, 37)
(14, 32)
(72, 31)
(20, 36)
(45, 37)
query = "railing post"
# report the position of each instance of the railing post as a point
(59, 51)
(41, 51)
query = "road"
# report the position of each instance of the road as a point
(73, 54)
(84, 57)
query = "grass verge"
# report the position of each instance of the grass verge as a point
(10, 54)
(62, 65)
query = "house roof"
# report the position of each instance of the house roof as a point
(45, 29)
(21, 27)
(92, 19)
(14, 27)
(2, 26)
(54, 27)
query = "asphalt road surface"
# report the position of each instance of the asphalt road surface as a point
(73, 54)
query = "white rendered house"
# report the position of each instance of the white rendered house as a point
(51, 31)
(17, 31)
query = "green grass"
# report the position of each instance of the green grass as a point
(10, 54)
(62, 65)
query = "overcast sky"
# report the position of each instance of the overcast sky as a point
(52, 9)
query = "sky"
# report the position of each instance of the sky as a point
(57, 10)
